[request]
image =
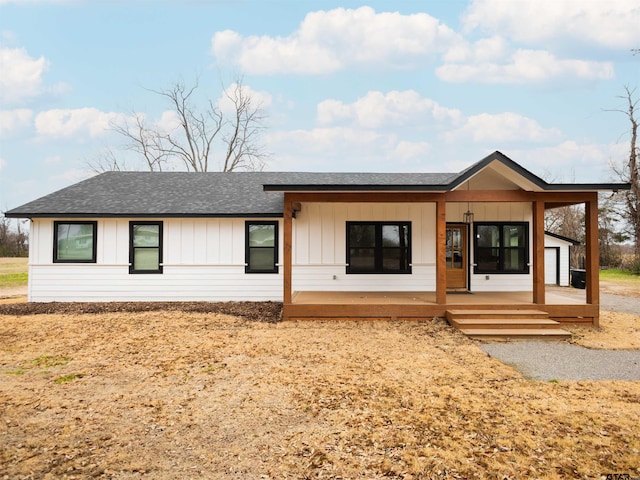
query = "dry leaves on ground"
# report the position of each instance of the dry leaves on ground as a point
(617, 331)
(168, 395)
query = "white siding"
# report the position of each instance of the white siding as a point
(203, 260)
(319, 247)
(564, 246)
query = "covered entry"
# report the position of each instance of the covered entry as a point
(457, 257)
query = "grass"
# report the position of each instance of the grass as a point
(191, 395)
(68, 378)
(13, 272)
(619, 275)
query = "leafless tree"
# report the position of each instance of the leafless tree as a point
(629, 171)
(213, 136)
(13, 240)
(106, 161)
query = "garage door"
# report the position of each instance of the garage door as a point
(551, 265)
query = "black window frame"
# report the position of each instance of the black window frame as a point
(132, 269)
(501, 249)
(379, 249)
(94, 249)
(248, 248)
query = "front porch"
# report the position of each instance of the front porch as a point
(423, 305)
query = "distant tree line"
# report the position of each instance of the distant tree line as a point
(14, 241)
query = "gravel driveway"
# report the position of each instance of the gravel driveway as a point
(548, 360)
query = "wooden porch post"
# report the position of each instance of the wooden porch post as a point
(441, 260)
(593, 252)
(538, 252)
(287, 243)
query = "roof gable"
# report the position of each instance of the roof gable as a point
(498, 172)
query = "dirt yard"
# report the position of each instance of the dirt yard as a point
(165, 395)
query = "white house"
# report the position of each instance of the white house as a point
(143, 236)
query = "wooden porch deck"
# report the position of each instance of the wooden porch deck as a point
(428, 298)
(567, 310)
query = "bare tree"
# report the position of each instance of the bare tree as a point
(13, 240)
(216, 136)
(106, 161)
(629, 172)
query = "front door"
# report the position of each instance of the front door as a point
(456, 257)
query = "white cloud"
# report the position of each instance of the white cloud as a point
(3, 163)
(21, 75)
(502, 128)
(328, 41)
(377, 110)
(570, 161)
(67, 123)
(523, 66)
(343, 148)
(610, 23)
(14, 120)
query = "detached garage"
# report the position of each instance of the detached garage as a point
(556, 259)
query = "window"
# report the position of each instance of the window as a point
(378, 247)
(74, 242)
(501, 247)
(145, 247)
(261, 252)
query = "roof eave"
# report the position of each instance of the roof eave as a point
(144, 215)
(354, 188)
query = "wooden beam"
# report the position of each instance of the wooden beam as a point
(287, 247)
(489, 196)
(593, 252)
(441, 259)
(364, 197)
(538, 253)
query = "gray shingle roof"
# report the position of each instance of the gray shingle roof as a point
(240, 194)
(154, 194)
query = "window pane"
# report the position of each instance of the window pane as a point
(146, 235)
(362, 259)
(514, 235)
(488, 259)
(391, 236)
(262, 235)
(146, 259)
(488, 236)
(362, 235)
(514, 259)
(75, 241)
(395, 259)
(261, 258)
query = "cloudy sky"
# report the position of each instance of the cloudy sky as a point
(347, 86)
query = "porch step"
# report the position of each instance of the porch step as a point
(502, 324)
(517, 333)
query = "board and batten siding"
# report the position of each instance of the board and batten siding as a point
(203, 259)
(319, 247)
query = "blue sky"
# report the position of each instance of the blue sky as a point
(347, 86)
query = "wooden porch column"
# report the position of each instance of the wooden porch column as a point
(441, 259)
(287, 243)
(593, 252)
(538, 252)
